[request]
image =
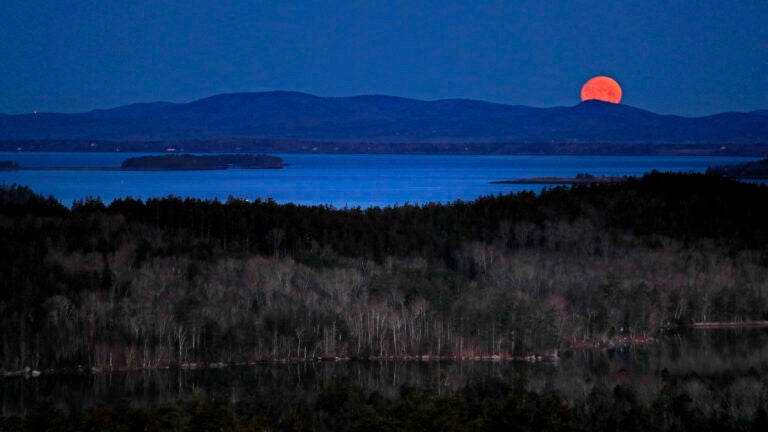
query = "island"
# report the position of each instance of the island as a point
(750, 170)
(183, 162)
(579, 179)
(8, 166)
(208, 162)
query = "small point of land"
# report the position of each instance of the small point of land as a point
(563, 180)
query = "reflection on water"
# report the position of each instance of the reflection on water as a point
(261, 381)
(710, 352)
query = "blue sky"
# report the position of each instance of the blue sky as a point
(676, 57)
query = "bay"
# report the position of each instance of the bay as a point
(338, 180)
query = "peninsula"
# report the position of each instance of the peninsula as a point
(750, 170)
(579, 179)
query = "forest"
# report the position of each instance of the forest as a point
(174, 281)
(184, 282)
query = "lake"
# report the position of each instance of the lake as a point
(332, 179)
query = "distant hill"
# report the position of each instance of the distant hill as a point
(383, 119)
(127, 111)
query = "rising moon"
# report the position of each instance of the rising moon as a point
(601, 88)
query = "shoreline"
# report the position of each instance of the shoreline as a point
(729, 324)
(550, 356)
(283, 145)
(562, 180)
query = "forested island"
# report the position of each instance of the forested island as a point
(749, 170)
(173, 162)
(206, 162)
(175, 282)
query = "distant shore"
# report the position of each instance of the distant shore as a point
(729, 324)
(257, 145)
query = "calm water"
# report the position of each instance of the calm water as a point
(338, 180)
(703, 352)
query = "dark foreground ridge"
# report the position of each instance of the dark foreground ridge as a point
(193, 162)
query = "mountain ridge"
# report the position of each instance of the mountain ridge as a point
(382, 119)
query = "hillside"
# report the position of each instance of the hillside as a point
(382, 119)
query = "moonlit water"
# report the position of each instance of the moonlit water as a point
(332, 179)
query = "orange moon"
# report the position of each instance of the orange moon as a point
(601, 88)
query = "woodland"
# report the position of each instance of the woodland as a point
(172, 281)
(177, 282)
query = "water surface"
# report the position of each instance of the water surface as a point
(333, 179)
(701, 353)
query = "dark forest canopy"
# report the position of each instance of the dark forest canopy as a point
(208, 162)
(138, 284)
